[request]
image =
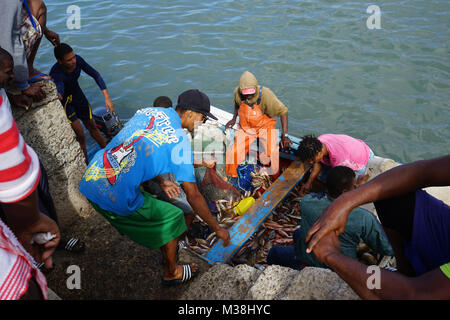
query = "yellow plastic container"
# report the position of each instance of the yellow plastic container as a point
(243, 205)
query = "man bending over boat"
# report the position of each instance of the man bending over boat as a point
(361, 224)
(416, 223)
(65, 74)
(330, 150)
(256, 106)
(152, 143)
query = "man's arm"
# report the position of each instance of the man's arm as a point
(392, 183)
(98, 79)
(169, 187)
(200, 207)
(374, 235)
(317, 166)
(232, 122)
(392, 285)
(285, 141)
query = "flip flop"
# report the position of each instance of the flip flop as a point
(72, 245)
(44, 270)
(187, 275)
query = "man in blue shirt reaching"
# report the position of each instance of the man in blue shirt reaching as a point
(65, 74)
(152, 143)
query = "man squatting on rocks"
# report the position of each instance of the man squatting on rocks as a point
(361, 225)
(416, 223)
(152, 143)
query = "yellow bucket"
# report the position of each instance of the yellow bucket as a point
(243, 205)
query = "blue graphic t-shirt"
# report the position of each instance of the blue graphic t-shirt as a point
(150, 144)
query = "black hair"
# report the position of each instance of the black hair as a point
(5, 55)
(339, 178)
(61, 50)
(162, 102)
(309, 147)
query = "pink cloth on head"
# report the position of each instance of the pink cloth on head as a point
(345, 151)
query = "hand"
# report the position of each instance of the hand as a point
(362, 179)
(52, 36)
(333, 219)
(170, 188)
(285, 142)
(230, 123)
(35, 92)
(209, 163)
(109, 104)
(21, 101)
(329, 244)
(304, 190)
(224, 235)
(43, 252)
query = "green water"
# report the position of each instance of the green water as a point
(389, 86)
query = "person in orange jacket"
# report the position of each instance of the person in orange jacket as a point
(256, 106)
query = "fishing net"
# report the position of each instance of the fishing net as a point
(214, 188)
(209, 144)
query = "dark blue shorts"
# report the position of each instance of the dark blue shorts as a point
(77, 107)
(429, 247)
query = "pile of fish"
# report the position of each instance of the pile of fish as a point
(276, 230)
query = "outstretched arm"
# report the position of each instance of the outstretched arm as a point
(392, 183)
(232, 122)
(98, 79)
(285, 141)
(390, 285)
(199, 205)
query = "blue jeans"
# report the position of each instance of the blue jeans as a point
(285, 255)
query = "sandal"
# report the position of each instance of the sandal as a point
(72, 245)
(44, 270)
(187, 275)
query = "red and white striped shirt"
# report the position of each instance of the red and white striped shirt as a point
(19, 164)
(16, 267)
(19, 177)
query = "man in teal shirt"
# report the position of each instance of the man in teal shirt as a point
(361, 225)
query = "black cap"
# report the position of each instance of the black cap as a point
(197, 101)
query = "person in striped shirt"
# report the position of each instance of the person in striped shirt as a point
(19, 178)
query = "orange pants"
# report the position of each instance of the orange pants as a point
(254, 124)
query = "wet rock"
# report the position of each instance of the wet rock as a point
(272, 283)
(46, 129)
(222, 282)
(318, 284)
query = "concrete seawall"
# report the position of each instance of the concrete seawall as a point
(46, 129)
